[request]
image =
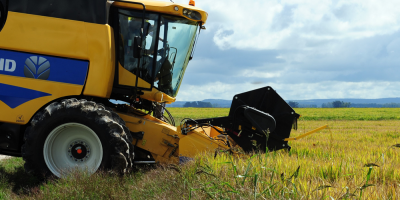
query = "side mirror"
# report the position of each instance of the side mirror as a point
(137, 47)
(146, 28)
(3, 13)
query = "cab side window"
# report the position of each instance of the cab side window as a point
(130, 23)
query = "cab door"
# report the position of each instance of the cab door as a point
(131, 71)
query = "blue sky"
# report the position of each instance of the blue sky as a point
(308, 49)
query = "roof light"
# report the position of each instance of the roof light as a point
(192, 2)
(176, 8)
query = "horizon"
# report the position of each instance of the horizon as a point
(306, 99)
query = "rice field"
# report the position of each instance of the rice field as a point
(313, 114)
(358, 157)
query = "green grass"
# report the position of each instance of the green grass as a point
(306, 113)
(359, 162)
(349, 113)
(197, 113)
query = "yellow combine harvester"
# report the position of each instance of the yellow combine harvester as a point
(61, 62)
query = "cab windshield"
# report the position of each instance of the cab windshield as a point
(168, 42)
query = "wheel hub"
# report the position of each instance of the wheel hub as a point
(79, 151)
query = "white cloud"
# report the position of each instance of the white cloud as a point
(258, 74)
(208, 90)
(260, 24)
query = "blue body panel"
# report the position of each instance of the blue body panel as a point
(15, 96)
(43, 67)
(33, 66)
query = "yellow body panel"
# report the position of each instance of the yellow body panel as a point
(101, 54)
(157, 96)
(196, 142)
(166, 142)
(155, 133)
(44, 35)
(127, 78)
(23, 113)
(163, 7)
(210, 132)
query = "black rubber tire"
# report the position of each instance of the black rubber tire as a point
(115, 137)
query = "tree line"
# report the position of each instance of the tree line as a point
(199, 104)
(342, 104)
(375, 105)
(294, 104)
(336, 104)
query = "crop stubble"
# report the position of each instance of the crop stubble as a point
(336, 157)
(318, 166)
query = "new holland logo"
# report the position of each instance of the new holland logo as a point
(37, 67)
(7, 65)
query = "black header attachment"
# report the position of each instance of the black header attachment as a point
(258, 119)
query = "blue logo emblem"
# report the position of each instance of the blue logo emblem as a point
(37, 67)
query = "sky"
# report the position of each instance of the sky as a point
(304, 49)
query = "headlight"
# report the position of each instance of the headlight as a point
(192, 14)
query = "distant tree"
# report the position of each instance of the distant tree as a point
(391, 105)
(346, 104)
(365, 105)
(375, 105)
(293, 104)
(308, 106)
(202, 104)
(215, 105)
(340, 104)
(336, 104)
(198, 104)
(327, 105)
(190, 104)
(207, 105)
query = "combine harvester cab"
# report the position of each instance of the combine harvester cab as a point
(257, 120)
